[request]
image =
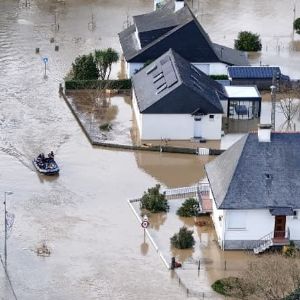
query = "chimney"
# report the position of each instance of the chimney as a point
(264, 133)
(179, 4)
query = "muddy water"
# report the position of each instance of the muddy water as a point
(81, 215)
(271, 19)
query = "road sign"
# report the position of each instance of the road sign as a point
(45, 59)
(145, 224)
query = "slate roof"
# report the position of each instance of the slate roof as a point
(254, 175)
(154, 33)
(259, 72)
(171, 85)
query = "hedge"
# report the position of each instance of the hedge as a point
(219, 77)
(122, 84)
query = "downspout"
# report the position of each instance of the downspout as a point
(224, 230)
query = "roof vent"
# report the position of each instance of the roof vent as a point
(264, 133)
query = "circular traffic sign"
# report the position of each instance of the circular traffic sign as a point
(145, 224)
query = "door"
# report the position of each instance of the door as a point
(197, 126)
(279, 230)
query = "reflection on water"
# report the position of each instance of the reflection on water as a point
(173, 170)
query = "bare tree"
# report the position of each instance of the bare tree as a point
(289, 106)
(272, 276)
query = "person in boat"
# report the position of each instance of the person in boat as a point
(50, 156)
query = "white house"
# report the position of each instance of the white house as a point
(172, 99)
(255, 191)
(175, 27)
(160, 3)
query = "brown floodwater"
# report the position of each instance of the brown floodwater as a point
(82, 215)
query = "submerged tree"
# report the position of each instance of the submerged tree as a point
(247, 41)
(84, 68)
(189, 208)
(104, 60)
(289, 106)
(154, 201)
(183, 239)
(296, 25)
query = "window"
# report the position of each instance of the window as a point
(211, 117)
(236, 220)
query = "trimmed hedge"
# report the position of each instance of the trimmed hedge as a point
(219, 77)
(122, 84)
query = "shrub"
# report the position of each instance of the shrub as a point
(183, 239)
(232, 286)
(296, 25)
(105, 127)
(122, 84)
(290, 250)
(84, 68)
(189, 208)
(219, 77)
(154, 201)
(247, 41)
(293, 296)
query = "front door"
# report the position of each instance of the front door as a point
(279, 230)
(197, 126)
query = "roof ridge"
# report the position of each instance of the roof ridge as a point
(153, 43)
(236, 166)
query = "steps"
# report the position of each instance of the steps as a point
(263, 246)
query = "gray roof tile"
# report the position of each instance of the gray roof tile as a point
(171, 84)
(254, 175)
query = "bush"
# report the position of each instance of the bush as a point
(154, 201)
(189, 208)
(183, 239)
(232, 286)
(290, 250)
(296, 25)
(84, 68)
(105, 127)
(219, 77)
(293, 296)
(123, 84)
(247, 41)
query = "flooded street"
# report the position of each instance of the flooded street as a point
(82, 215)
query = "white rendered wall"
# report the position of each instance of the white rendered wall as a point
(217, 69)
(212, 68)
(132, 68)
(218, 220)
(137, 115)
(211, 128)
(179, 126)
(294, 225)
(168, 126)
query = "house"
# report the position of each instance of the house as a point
(172, 99)
(160, 3)
(242, 103)
(255, 191)
(261, 76)
(154, 33)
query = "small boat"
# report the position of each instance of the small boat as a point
(46, 165)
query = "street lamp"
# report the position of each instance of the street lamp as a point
(5, 227)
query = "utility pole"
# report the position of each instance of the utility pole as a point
(5, 229)
(294, 17)
(273, 100)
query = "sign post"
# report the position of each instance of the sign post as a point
(145, 224)
(45, 60)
